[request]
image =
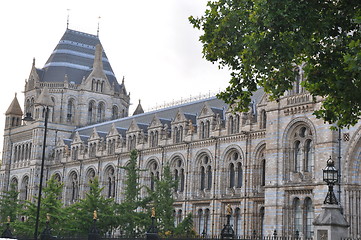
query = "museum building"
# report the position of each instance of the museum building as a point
(265, 164)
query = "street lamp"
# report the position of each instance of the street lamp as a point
(330, 176)
(45, 101)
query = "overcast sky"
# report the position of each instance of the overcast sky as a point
(149, 42)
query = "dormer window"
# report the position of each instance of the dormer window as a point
(263, 119)
(97, 85)
(233, 124)
(178, 134)
(154, 139)
(204, 129)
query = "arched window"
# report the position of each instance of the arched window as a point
(28, 108)
(178, 172)
(236, 123)
(178, 133)
(209, 177)
(235, 170)
(57, 177)
(263, 122)
(206, 173)
(309, 215)
(207, 128)
(297, 215)
(206, 222)
(92, 150)
(261, 215)
(154, 174)
(91, 111)
(101, 112)
(231, 125)
(132, 142)
(202, 130)
(111, 146)
(14, 184)
(263, 172)
(102, 86)
(302, 149)
(237, 222)
(308, 155)
(239, 175)
(110, 182)
(115, 112)
(203, 178)
(70, 111)
(32, 106)
(177, 167)
(73, 187)
(296, 152)
(89, 178)
(231, 175)
(93, 85)
(179, 217)
(154, 139)
(24, 191)
(74, 152)
(200, 221)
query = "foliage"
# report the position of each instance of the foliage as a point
(185, 228)
(262, 42)
(9, 204)
(50, 205)
(132, 220)
(162, 198)
(80, 214)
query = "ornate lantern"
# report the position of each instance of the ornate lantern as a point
(330, 176)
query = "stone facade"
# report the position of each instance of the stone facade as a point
(266, 164)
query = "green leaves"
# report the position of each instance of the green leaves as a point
(261, 41)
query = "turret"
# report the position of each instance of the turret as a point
(13, 114)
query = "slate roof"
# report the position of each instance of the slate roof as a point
(14, 108)
(191, 110)
(74, 56)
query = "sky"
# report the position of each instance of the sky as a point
(150, 43)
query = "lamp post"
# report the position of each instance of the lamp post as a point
(41, 173)
(330, 176)
(227, 232)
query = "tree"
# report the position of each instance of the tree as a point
(9, 204)
(163, 200)
(132, 220)
(81, 213)
(50, 205)
(185, 228)
(263, 42)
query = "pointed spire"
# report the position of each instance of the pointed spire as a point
(98, 63)
(98, 26)
(139, 109)
(67, 19)
(33, 62)
(44, 98)
(14, 108)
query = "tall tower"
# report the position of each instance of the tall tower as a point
(79, 84)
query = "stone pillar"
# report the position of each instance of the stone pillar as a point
(330, 224)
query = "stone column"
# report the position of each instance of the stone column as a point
(330, 224)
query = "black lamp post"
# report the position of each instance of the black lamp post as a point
(330, 176)
(41, 173)
(152, 233)
(227, 232)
